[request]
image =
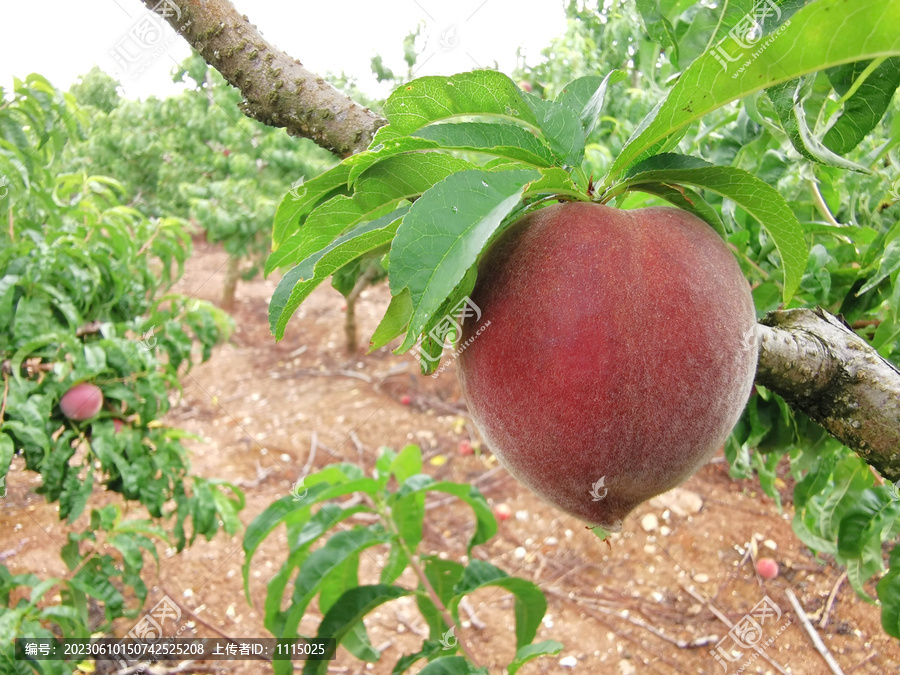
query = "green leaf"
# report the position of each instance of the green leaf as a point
(866, 106)
(757, 198)
(788, 103)
(502, 140)
(531, 652)
(298, 202)
(530, 606)
(888, 590)
(452, 665)
(443, 575)
(300, 541)
(430, 99)
(561, 128)
(586, 96)
(394, 322)
(323, 562)
(658, 27)
(889, 263)
(289, 508)
(7, 449)
(819, 36)
(377, 192)
(303, 279)
(349, 610)
(863, 521)
(486, 524)
(429, 649)
(444, 233)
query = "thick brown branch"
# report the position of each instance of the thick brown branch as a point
(821, 367)
(277, 89)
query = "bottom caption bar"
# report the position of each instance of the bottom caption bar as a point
(164, 649)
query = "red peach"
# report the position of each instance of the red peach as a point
(81, 402)
(617, 352)
(767, 568)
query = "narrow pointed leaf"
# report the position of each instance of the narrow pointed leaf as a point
(823, 34)
(443, 234)
(586, 96)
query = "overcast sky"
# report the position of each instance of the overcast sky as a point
(61, 39)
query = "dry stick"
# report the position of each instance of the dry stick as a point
(860, 664)
(466, 606)
(622, 614)
(625, 636)
(831, 598)
(813, 635)
(313, 446)
(360, 449)
(724, 619)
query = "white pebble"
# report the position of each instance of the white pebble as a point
(650, 522)
(701, 578)
(519, 553)
(771, 545)
(568, 662)
(522, 516)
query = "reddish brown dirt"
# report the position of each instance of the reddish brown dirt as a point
(621, 607)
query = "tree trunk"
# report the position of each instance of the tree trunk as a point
(365, 279)
(232, 275)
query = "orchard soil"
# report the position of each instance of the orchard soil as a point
(651, 600)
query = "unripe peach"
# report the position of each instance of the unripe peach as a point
(620, 354)
(81, 402)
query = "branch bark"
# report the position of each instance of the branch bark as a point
(822, 368)
(809, 357)
(277, 89)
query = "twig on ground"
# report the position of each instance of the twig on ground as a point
(813, 635)
(360, 449)
(313, 446)
(466, 606)
(831, 598)
(724, 619)
(261, 475)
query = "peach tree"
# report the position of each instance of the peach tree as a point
(87, 322)
(772, 121)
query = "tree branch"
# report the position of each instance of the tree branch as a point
(822, 368)
(277, 89)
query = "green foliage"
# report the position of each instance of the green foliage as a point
(772, 122)
(195, 156)
(83, 298)
(394, 496)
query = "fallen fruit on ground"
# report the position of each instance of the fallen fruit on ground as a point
(621, 353)
(465, 448)
(502, 512)
(81, 402)
(767, 568)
